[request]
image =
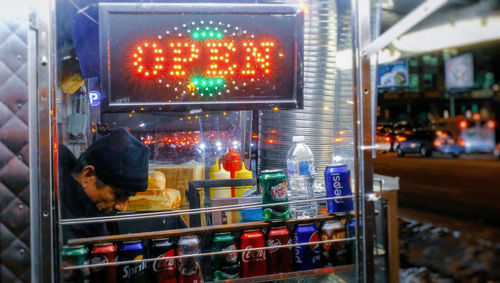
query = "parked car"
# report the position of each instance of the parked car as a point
(478, 135)
(496, 151)
(425, 141)
(384, 139)
(445, 142)
(418, 141)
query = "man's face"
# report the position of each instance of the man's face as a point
(107, 198)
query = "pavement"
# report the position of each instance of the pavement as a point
(449, 216)
(433, 253)
(464, 187)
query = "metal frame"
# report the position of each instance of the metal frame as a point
(363, 140)
(194, 211)
(40, 76)
(105, 9)
(364, 124)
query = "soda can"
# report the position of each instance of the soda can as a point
(73, 256)
(163, 271)
(103, 253)
(253, 263)
(333, 253)
(279, 260)
(338, 184)
(189, 269)
(225, 266)
(133, 250)
(308, 256)
(273, 187)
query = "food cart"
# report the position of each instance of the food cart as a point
(198, 83)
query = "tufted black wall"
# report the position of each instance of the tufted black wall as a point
(14, 153)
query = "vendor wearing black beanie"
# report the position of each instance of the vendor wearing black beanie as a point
(100, 182)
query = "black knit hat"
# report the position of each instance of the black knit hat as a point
(120, 160)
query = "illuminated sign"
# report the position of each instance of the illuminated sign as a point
(178, 57)
(94, 98)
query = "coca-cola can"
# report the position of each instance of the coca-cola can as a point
(279, 260)
(189, 268)
(163, 270)
(253, 263)
(103, 253)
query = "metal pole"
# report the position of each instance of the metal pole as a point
(363, 125)
(186, 211)
(41, 72)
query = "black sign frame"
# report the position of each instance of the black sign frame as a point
(294, 100)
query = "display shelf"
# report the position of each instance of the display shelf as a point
(198, 230)
(294, 274)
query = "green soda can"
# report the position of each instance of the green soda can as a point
(72, 256)
(273, 187)
(226, 266)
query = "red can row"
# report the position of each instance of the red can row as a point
(249, 263)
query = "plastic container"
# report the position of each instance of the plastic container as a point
(301, 173)
(214, 174)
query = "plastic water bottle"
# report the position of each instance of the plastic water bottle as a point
(301, 172)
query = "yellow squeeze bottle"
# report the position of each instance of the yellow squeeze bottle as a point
(216, 172)
(242, 174)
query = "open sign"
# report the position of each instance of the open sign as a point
(235, 56)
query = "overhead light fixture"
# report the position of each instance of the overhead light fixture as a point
(460, 32)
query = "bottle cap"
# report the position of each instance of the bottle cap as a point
(298, 138)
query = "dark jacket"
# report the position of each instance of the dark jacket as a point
(75, 203)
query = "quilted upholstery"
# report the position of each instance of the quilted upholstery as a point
(14, 171)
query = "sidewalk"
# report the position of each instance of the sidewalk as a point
(437, 248)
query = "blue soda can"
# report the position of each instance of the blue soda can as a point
(306, 257)
(133, 250)
(338, 183)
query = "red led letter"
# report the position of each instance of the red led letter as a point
(257, 58)
(184, 53)
(148, 59)
(221, 63)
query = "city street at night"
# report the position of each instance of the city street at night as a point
(448, 216)
(461, 187)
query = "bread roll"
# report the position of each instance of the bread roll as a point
(156, 180)
(155, 199)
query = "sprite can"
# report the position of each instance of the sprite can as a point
(273, 186)
(73, 256)
(226, 266)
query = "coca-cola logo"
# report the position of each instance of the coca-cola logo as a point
(166, 264)
(278, 192)
(273, 243)
(314, 238)
(255, 255)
